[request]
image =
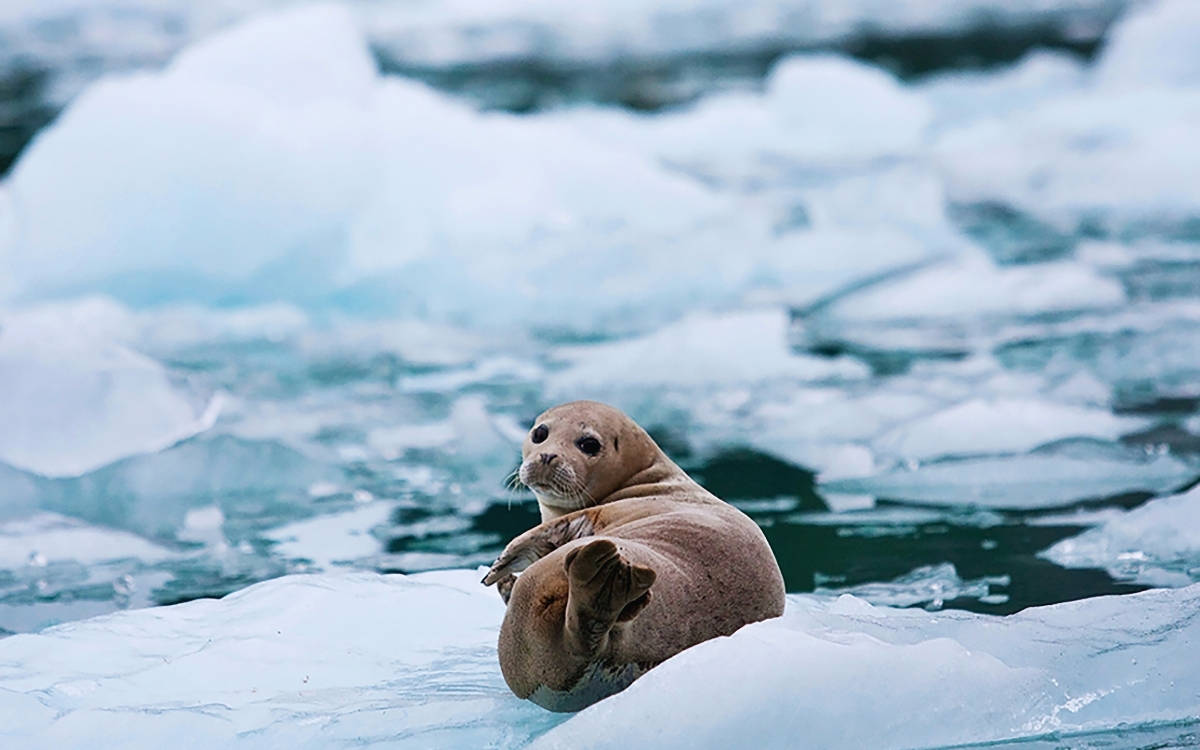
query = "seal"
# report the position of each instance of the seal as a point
(633, 562)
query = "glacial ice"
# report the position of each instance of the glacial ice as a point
(1157, 544)
(309, 661)
(72, 401)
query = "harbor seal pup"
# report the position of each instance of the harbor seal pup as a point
(633, 562)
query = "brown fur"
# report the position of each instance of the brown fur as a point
(648, 564)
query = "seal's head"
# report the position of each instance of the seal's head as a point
(578, 453)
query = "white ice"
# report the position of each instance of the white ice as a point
(72, 400)
(1113, 153)
(1157, 544)
(1001, 425)
(46, 538)
(330, 539)
(362, 659)
(355, 189)
(1049, 478)
(739, 349)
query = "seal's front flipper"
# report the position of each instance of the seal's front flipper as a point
(605, 589)
(536, 543)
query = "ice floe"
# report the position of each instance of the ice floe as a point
(1060, 474)
(72, 401)
(1157, 544)
(404, 661)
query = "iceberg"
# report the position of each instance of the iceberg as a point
(354, 191)
(410, 661)
(1157, 544)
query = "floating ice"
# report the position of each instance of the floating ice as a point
(957, 304)
(1155, 42)
(1001, 425)
(1057, 476)
(703, 350)
(416, 665)
(47, 538)
(930, 585)
(1112, 156)
(819, 113)
(410, 661)
(71, 401)
(469, 33)
(1157, 544)
(830, 673)
(354, 191)
(329, 539)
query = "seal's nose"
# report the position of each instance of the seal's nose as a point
(548, 458)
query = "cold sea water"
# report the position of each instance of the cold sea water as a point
(917, 287)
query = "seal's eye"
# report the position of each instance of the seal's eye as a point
(540, 433)
(588, 445)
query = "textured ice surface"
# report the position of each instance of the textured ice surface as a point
(353, 659)
(828, 672)
(1157, 544)
(71, 401)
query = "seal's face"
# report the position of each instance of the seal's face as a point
(577, 453)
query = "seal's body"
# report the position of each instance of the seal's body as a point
(633, 562)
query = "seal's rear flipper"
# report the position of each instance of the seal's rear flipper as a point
(604, 589)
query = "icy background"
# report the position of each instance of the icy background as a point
(915, 284)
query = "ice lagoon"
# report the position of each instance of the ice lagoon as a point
(273, 321)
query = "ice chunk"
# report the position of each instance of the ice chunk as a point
(72, 401)
(830, 673)
(958, 303)
(354, 191)
(339, 537)
(962, 96)
(262, 666)
(1153, 44)
(1053, 477)
(46, 538)
(162, 147)
(818, 113)
(702, 350)
(1157, 544)
(930, 585)
(152, 494)
(1001, 425)
(275, 665)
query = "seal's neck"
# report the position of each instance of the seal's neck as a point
(549, 512)
(661, 478)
